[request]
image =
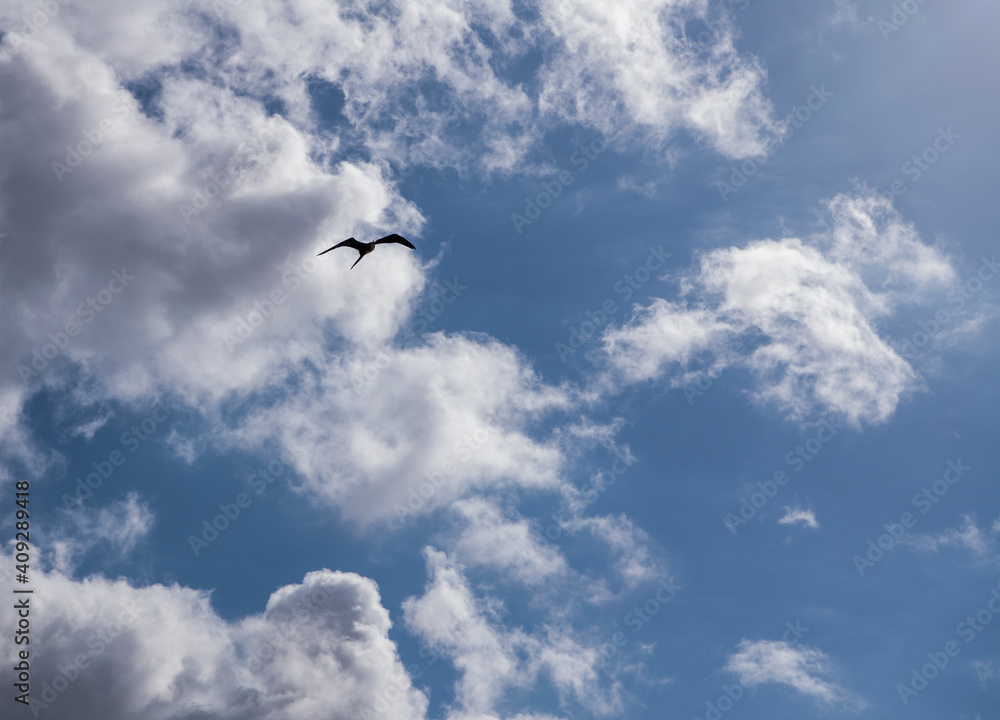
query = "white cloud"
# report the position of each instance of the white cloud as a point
(112, 651)
(119, 526)
(87, 429)
(630, 548)
(494, 660)
(509, 544)
(768, 661)
(983, 544)
(799, 515)
(661, 335)
(440, 419)
(635, 59)
(197, 214)
(448, 618)
(817, 305)
(627, 183)
(868, 236)
(213, 206)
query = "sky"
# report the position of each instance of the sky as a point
(684, 406)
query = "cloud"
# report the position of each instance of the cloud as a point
(635, 60)
(768, 661)
(144, 297)
(493, 660)
(176, 179)
(984, 544)
(627, 183)
(799, 515)
(802, 316)
(114, 651)
(119, 527)
(442, 418)
(187, 183)
(630, 548)
(87, 429)
(510, 544)
(987, 672)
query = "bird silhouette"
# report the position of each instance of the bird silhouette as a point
(365, 248)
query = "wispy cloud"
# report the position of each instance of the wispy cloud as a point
(982, 543)
(117, 527)
(793, 516)
(988, 672)
(797, 666)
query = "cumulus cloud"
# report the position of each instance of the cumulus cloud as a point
(113, 279)
(166, 183)
(165, 242)
(802, 316)
(106, 649)
(174, 221)
(440, 419)
(769, 661)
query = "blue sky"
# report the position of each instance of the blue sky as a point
(682, 407)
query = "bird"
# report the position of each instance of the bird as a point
(365, 248)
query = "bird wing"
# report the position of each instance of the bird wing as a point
(394, 238)
(349, 242)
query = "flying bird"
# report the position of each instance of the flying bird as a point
(365, 248)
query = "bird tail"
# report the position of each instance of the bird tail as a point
(357, 261)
